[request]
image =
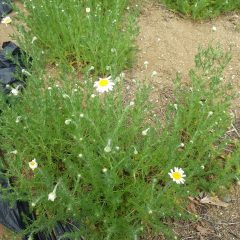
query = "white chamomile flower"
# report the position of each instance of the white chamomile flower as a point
(88, 10)
(52, 196)
(68, 121)
(144, 132)
(104, 85)
(33, 164)
(81, 115)
(177, 175)
(7, 20)
(80, 155)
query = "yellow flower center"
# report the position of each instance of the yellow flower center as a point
(177, 175)
(32, 163)
(103, 82)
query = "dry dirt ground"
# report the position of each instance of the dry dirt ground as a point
(169, 43)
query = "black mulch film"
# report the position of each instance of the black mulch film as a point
(14, 216)
(5, 7)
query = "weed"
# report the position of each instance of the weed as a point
(203, 9)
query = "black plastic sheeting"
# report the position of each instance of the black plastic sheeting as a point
(5, 7)
(14, 216)
(12, 67)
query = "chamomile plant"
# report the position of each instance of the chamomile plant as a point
(90, 154)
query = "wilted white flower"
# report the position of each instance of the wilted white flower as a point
(14, 91)
(88, 10)
(214, 29)
(181, 145)
(154, 73)
(108, 148)
(113, 50)
(24, 71)
(131, 103)
(177, 175)
(175, 106)
(104, 84)
(52, 196)
(6, 20)
(144, 132)
(150, 211)
(135, 151)
(68, 121)
(104, 170)
(65, 96)
(122, 75)
(18, 119)
(146, 64)
(91, 68)
(34, 39)
(33, 164)
(202, 166)
(108, 68)
(14, 152)
(210, 114)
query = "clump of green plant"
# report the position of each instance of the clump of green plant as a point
(83, 152)
(203, 9)
(96, 34)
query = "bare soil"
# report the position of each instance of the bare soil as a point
(169, 42)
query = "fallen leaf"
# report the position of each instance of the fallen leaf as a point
(213, 201)
(191, 208)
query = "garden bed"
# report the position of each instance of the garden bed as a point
(168, 44)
